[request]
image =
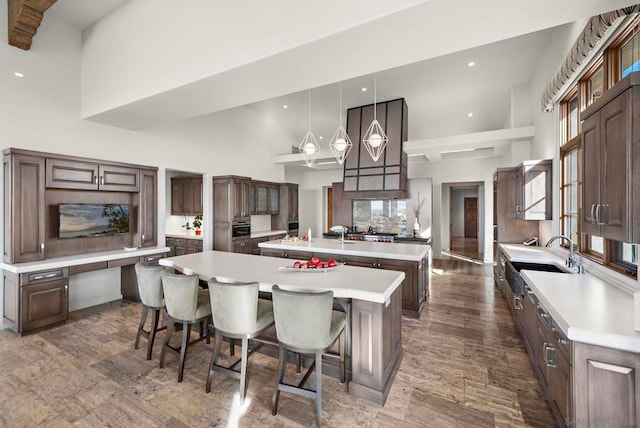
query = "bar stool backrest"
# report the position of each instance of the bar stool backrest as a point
(303, 319)
(150, 285)
(234, 306)
(180, 295)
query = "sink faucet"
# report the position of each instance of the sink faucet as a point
(571, 260)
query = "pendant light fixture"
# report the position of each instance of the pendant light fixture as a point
(340, 143)
(375, 140)
(309, 147)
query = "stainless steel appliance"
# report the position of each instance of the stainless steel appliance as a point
(293, 230)
(240, 230)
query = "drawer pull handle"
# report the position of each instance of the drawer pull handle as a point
(48, 275)
(564, 342)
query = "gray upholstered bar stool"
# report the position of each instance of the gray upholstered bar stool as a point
(307, 324)
(152, 297)
(237, 313)
(186, 304)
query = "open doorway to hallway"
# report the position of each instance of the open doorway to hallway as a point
(464, 221)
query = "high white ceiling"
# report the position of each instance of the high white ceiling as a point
(440, 91)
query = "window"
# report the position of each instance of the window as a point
(621, 57)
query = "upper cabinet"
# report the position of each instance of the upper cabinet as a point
(611, 163)
(24, 208)
(389, 173)
(186, 195)
(81, 175)
(292, 202)
(148, 207)
(533, 190)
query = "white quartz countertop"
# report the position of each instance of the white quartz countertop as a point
(587, 309)
(373, 285)
(262, 233)
(524, 254)
(183, 236)
(81, 259)
(383, 250)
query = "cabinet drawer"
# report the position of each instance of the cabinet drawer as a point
(152, 259)
(560, 340)
(88, 267)
(123, 262)
(43, 276)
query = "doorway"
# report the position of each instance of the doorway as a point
(464, 222)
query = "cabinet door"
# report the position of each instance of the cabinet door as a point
(529, 335)
(196, 191)
(615, 153)
(119, 179)
(410, 290)
(293, 202)
(518, 194)
(542, 342)
(262, 199)
(242, 246)
(252, 200)
(274, 200)
(271, 252)
(591, 174)
(24, 225)
(176, 196)
(561, 385)
(194, 246)
(44, 304)
(238, 200)
(607, 387)
(187, 197)
(148, 219)
(536, 192)
(246, 203)
(65, 174)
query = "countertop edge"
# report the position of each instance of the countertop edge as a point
(76, 260)
(349, 252)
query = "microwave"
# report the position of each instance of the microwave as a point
(241, 230)
(293, 226)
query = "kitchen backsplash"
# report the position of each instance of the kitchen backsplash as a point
(260, 223)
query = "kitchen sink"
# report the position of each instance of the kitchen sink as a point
(515, 281)
(518, 266)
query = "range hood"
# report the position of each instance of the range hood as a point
(386, 178)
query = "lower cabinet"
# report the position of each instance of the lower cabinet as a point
(182, 246)
(607, 387)
(242, 246)
(36, 299)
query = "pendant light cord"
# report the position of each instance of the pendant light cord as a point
(309, 98)
(340, 109)
(375, 95)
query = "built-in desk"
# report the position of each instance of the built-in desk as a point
(36, 294)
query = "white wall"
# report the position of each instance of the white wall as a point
(457, 209)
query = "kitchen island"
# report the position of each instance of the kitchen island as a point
(374, 308)
(411, 259)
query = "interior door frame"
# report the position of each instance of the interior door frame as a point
(452, 187)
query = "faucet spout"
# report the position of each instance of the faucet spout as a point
(571, 260)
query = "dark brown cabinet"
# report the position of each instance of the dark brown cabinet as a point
(262, 198)
(241, 198)
(231, 204)
(36, 299)
(81, 175)
(530, 303)
(292, 202)
(389, 173)
(242, 246)
(186, 196)
(533, 190)
(24, 218)
(611, 163)
(414, 286)
(148, 208)
(265, 198)
(182, 246)
(274, 199)
(287, 206)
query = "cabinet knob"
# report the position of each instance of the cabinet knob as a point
(102, 180)
(95, 179)
(42, 247)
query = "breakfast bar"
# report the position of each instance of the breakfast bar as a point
(375, 346)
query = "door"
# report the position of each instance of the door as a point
(470, 217)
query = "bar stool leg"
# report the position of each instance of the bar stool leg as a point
(214, 359)
(343, 341)
(186, 332)
(279, 377)
(243, 368)
(153, 331)
(318, 387)
(143, 319)
(298, 363)
(167, 337)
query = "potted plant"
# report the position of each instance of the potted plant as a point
(197, 224)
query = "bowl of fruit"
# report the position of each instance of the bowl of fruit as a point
(313, 265)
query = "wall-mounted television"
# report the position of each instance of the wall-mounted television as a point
(84, 220)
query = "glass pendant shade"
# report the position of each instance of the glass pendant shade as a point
(340, 145)
(309, 148)
(375, 140)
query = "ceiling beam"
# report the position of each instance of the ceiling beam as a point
(25, 17)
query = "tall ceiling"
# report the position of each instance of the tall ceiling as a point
(440, 88)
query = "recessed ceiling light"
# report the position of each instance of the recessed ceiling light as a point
(471, 64)
(320, 137)
(364, 89)
(18, 74)
(285, 106)
(470, 115)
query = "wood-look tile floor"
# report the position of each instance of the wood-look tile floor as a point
(464, 366)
